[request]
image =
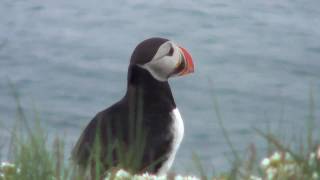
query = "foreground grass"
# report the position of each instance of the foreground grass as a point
(283, 161)
(32, 159)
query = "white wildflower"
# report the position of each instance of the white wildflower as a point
(276, 157)
(7, 165)
(192, 178)
(315, 176)
(122, 173)
(312, 156)
(187, 177)
(178, 177)
(255, 178)
(147, 176)
(265, 163)
(7, 168)
(163, 177)
(271, 173)
(288, 157)
(312, 159)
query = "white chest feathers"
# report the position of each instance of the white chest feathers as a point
(177, 130)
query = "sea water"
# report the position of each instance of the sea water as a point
(257, 60)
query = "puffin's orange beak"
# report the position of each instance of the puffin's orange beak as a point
(188, 63)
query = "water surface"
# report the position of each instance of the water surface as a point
(259, 58)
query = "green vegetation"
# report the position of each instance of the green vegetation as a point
(32, 159)
(283, 161)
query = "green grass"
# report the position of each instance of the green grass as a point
(283, 161)
(35, 159)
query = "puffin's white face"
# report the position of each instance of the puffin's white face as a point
(169, 61)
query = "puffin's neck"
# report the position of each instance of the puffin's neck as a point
(152, 94)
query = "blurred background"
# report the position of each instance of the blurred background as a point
(260, 59)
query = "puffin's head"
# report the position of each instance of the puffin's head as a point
(162, 58)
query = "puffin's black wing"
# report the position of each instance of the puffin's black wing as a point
(99, 135)
(143, 141)
(82, 150)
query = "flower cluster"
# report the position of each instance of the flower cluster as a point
(282, 164)
(7, 170)
(314, 164)
(124, 175)
(279, 163)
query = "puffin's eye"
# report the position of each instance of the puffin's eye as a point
(171, 51)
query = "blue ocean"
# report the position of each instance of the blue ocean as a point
(257, 64)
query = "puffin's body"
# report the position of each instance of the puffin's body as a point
(142, 131)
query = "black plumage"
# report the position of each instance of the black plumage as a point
(140, 122)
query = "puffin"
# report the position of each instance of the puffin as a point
(142, 131)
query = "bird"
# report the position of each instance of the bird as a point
(143, 130)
